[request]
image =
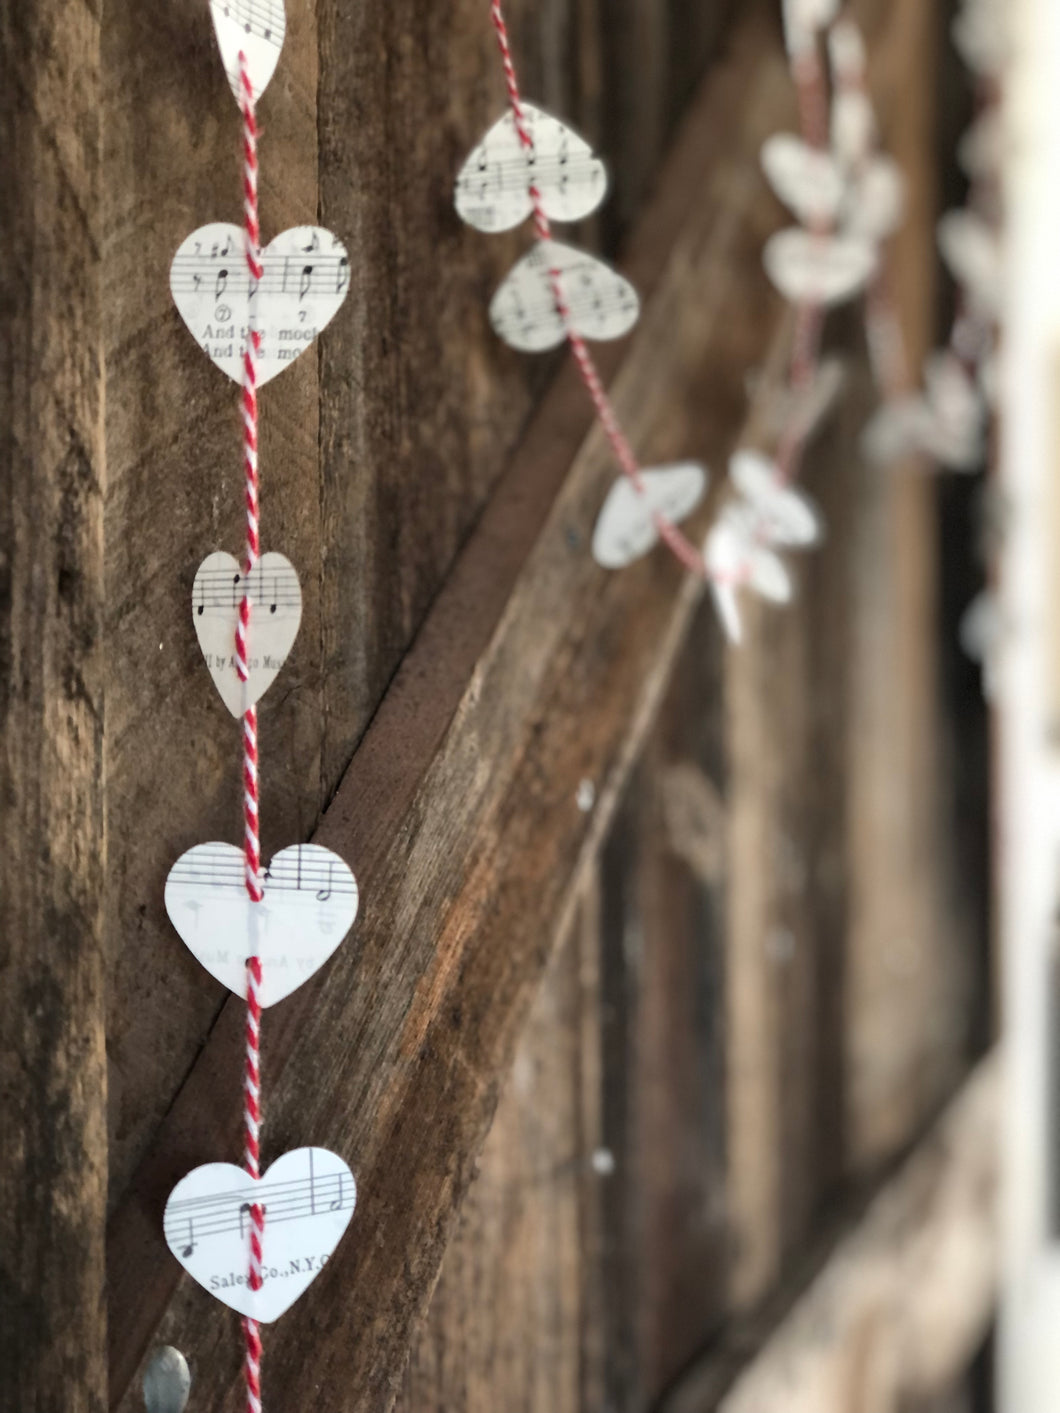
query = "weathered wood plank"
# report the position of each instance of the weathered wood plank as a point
(52, 1070)
(394, 1056)
(902, 1302)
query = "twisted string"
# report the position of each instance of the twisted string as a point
(251, 831)
(671, 536)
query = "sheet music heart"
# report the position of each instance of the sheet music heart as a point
(875, 201)
(308, 1196)
(972, 252)
(782, 514)
(625, 528)
(493, 187)
(806, 179)
(601, 304)
(802, 20)
(735, 558)
(255, 27)
(276, 611)
(306, 276)
(822, 269)
(309, 906)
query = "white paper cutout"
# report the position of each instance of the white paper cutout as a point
(895, 430)
(979, 32)
(846, 52)
(800, 411)
(735, 558)
(625, 530)
(523, 312)
(853, 127)
(782, 515)
(493, 187)
(309, 906)
(308, 1196)
(276, 611)
(875, 201)
(824, 269)
(306, 276)
(257, 27)
(973, 254)
(806, 179)
(945, 422)
(982, 632)
(802, 20)
(980, 149)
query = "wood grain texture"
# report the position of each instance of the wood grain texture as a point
(880, 1326)
(52, 1070)
(459, 812)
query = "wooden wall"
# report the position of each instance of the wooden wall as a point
(691, 1017)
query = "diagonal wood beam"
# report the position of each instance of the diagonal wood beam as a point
(534, 671)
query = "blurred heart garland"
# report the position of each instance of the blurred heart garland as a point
(848, 200)
(256, 1241)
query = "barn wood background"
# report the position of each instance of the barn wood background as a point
(676, 1040)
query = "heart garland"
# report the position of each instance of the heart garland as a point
(255, 1241)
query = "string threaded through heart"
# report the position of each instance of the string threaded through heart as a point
(252, 832)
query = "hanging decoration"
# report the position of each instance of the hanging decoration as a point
(847, 199)
(256, 1240)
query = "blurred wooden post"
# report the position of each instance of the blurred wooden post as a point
(52, 1081)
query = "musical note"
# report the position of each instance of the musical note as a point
(187, 1250)
(307, 279)
(323, 894)
(493, 187)
(307, 1198)
(599, 302)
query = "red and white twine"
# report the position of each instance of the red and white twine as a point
(251, 832)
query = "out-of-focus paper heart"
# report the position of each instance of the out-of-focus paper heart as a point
(308, 1196)
(600, 303)
(803, 19)
(255, 28)
(875, 200)
(973, 253)
(309, 906)
(981, 36)
(806, 179)
(979, 150)
(625, 529)
(853, 127)
(945, 422)
(734, 558)
(783, 515)
(493, 188)
(306, 276)
(276, 611)
(819, 269)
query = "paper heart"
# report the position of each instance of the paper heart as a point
(275, 613)
(308, 1196)
(853, 128)
(493, 188)
(806, 179)
(981, 148)
(734, 559)
(254, 27)
(601, 304)
(782, 514)
(875, 202)
(802, 20)
(309, 906)
(625, 528)
(821, 269)
(306, 276)
(972, 252)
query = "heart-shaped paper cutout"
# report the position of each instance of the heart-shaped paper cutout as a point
(601, 304)
(308, 1197)
(306, 276)
(493, 188)
(735, 558)
(309, 906)
(973, 254)
(875, 201)
(853, 128)
(806, 179)
(625, 529)
(275, 612)
(254, 27)
(782, 514)
(802, 20)
(818, 269)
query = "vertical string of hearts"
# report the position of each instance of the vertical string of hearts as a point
(256, 1241)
